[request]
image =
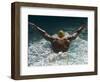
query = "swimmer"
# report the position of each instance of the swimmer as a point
(60, 43)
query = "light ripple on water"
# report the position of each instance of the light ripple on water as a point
(41, 54)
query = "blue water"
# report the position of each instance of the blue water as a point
(39, 50)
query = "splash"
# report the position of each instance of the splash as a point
(41, 54)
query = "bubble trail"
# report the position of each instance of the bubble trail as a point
(41, 54)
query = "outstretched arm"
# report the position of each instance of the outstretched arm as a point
(42, 32)
(76, 33)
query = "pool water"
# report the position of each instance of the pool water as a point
(41, 54)
(39, 50)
